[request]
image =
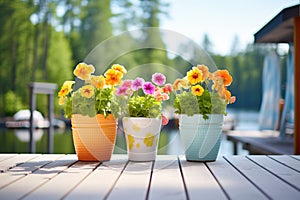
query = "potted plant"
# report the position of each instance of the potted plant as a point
(88, 104)
(140, 104)
(201, 100)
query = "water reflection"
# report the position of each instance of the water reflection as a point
(23, 135)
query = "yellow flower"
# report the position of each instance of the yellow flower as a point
(113, 77)
(194, 76)
(119, 68)
(87, 91)
(83, 71)
(61, 100)
(98, 81)
(130, 140)
(149, 139)
(66, 88)
(180, 83)
(197, 90)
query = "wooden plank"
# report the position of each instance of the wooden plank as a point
(98, 184)
(65, 181)
(134, 182)
(288, 161)
(289, 175)
(296, 157)
(6, 156)
(271, 185)
(234, 184)
(19, 171)
(23, 185)
(199, 181)
(16, 160)
(166, 182)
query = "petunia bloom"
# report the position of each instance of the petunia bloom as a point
(119, 68)
(167, 88)
(148, 88)
(137, 84)
(165, 120)
(224, 76)
(97, 81)
(180, 83)
(127, 83)
(194, 76)
(122, 90)
(159, 79)
(83, 71)
(205, 71)
(113, 77)
(87, 91)
(197, 90)
(66, 88)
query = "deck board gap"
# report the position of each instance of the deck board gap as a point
(183, 180)
(283, 164)
(150, 180)
(256, 186)
(112, 187)
(274, 174)
(64, 196)
(218, 182)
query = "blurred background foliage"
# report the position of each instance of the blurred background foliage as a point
(43, 40)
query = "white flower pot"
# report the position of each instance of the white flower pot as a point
(142, 135)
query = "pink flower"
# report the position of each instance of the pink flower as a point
(127, 83)
(161, 96)
(165, 120)
(167, 88)
(148, 88)
(122, 90)
(159, 79)
(137, 84)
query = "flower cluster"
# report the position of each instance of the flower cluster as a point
(144, 98)
(94, 96)
(203, 92)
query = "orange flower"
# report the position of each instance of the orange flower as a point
(205, 71)
(113, 77)
(83, 71)
(180, 83)
(87, 91)
(194, 76)
(197, 90)
(98, 81)
(224, 76)
(66, 88)
(119, 68)
(227, 95)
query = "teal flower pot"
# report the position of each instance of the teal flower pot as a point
(201, 138)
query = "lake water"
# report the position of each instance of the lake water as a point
(16, 141)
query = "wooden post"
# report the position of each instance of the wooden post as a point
(297, 84)
(42, 88)
(32, 128)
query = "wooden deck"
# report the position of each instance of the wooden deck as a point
(58, 176)
(261, 142)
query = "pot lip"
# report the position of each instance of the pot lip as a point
(201, 115)
(142, 118)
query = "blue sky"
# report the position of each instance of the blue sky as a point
(222, 20)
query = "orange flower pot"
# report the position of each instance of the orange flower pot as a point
(94, 137)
